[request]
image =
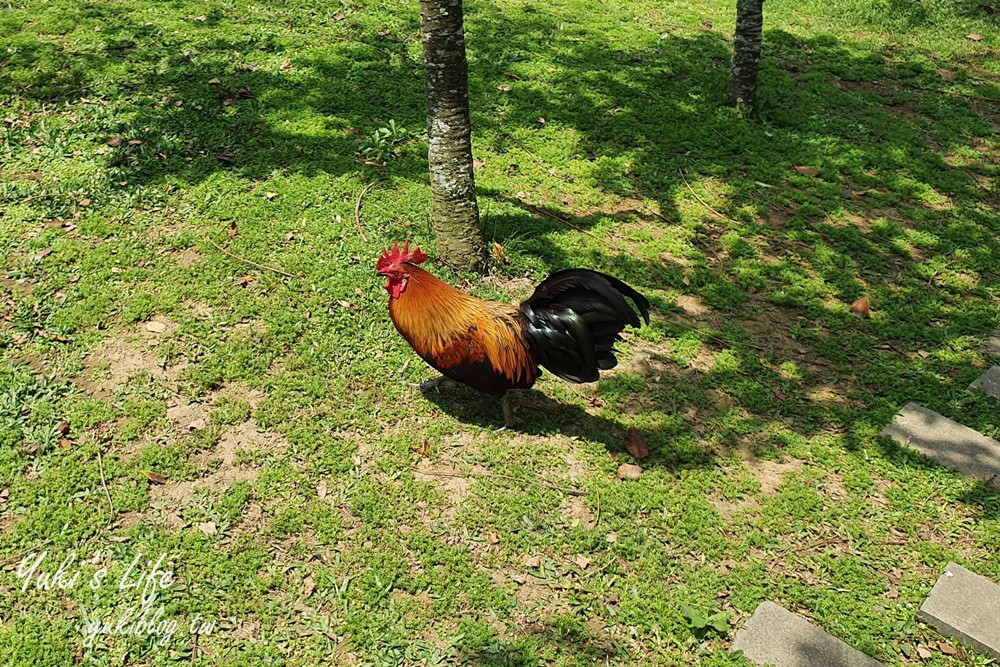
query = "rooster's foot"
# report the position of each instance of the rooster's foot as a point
(431, 385)
(508, 413)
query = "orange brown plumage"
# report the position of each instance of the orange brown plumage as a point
(569, 325)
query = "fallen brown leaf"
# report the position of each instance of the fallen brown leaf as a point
(503, 87)
(286, 65)
(533, 561)
(493, 538)
(209, 528)
(65, 443)
(270, 195)
(197, 424)
(115, 143)
(499, 255)
(232, 229)
(243, 281)
(974, 37)
(63, 428)
(422, 448)
(214, 82)
(924, 653)
(862, 307)
(629, 471)
(84, 202)
(155, 327)
(155, 477)
(947, 649)
(512, 75)
(807, 171)
(135, 142)
(310, 585)
(611, 538)
(637, 445)
(4, 495)
(339, 16)
(582, 562)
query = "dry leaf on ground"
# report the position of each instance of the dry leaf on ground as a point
(629, 471)
(862, 307)
(636, 444)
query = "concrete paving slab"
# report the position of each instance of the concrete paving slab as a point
(776, 636)
(988, 382)
(947, 442)
(966, 606)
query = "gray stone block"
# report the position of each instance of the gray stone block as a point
(966, 606)
(988, 382)
(776, 636)
(947, 442)
(993, 343)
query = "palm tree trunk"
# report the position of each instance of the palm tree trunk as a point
(454, 213)
(746, 54)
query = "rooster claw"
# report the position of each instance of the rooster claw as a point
(508, 414)
(431, 385)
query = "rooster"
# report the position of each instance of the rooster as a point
(568, 326)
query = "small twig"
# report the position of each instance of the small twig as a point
(243, 259)
(493, 475)
(51, 194)
(688, 27)
(13, 559)
(702, 201)
(525, 148)
(194, 647)
(954, 93)
(104, 482)
(549, 214)
(936, 272)
(357, 210)
(597, 520)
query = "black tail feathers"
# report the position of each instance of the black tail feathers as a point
(574, 319)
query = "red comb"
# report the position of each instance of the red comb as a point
(397, 256)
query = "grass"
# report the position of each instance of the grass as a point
(267, 440)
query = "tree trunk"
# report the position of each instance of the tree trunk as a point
(746, 54)
(454, 214)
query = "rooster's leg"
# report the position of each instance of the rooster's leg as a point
(431, 385)
(508, 413)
